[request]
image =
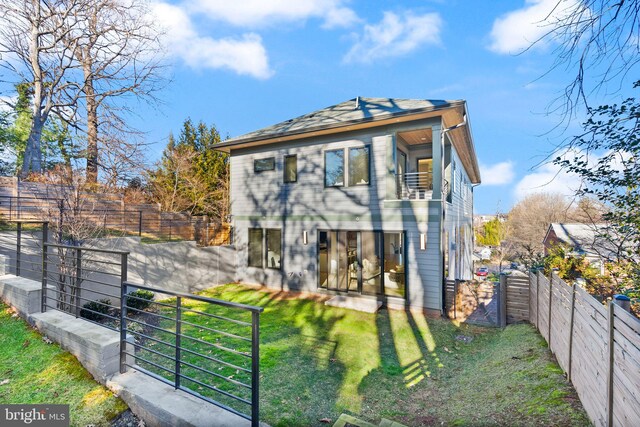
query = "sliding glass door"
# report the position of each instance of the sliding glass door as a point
(363, 262)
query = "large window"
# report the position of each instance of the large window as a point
(365, 262)
(359, 166)
(259, 240)
(274, 248)
(290, 168)
(334, 168)
(255, 247)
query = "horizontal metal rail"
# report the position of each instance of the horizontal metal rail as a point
(414, 185)
(172, 332)
(88, 249)
(223, 303)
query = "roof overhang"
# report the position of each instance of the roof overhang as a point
(452, 113)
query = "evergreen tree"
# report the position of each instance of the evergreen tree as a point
(14, 134)
(191, 175)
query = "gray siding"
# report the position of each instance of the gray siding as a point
(262, 200)
(459, 222)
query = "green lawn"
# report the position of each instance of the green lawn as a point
(318, 362)
(32, 371)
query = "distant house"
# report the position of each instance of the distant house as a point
(593, 241)
(372, 197)
(484, 253)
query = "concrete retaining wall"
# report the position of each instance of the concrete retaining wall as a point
(98, 349)
(175, 266)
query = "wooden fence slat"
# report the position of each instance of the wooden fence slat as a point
(628, 319)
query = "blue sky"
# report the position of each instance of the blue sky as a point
(248, 64)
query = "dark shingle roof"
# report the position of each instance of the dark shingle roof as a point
(355, 110)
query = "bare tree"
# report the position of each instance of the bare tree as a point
(530, 218)
(119, 52)
(85, 60)
(31, 50)
(76, 219)
(597, 41)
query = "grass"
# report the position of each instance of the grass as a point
(318, 362)
(32, 371)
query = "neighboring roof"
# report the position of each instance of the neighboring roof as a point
(357, 113)
(589, 239)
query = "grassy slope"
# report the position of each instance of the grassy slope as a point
(43, 373)
(318, 361)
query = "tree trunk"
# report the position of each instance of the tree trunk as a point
(33, 154)
(92, 123)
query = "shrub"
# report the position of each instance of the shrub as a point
(95, 310)
(144, 301)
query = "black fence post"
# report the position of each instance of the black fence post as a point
(502, 306)
(78, 280)
(45, 250)
(139, 223)
(10, 207)
(255, 369)
(123, 325)
(124, 267)
(178, 340)
(18, 248)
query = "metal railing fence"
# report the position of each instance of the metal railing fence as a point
(211, 345)
(21, 245)
(84, 282)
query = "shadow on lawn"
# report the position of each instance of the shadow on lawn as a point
(319, 361)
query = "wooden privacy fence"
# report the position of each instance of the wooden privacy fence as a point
(597, 346)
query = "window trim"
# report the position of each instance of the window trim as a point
(368, 148)
(262, 256)
(284, 169)
(255, 162)
(266, 248)
(344, 171)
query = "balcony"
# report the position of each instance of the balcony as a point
(417, 186)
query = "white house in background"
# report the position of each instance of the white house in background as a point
(484, 253)
(370, 198)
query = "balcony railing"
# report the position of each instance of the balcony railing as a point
(414, 186)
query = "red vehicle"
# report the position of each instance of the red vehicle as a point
(482, 272)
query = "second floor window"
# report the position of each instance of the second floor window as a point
(334, 168)
(261, 165)
(358, 166)
(290, 168)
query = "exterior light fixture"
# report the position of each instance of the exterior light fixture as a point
(305, 238)
(423, 241)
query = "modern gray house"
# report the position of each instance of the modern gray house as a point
(369, 198)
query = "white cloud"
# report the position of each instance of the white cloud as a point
(395, 35)
(517, 30)
(260, 13)
(498, 174)
(548, 178)
(244, 55)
